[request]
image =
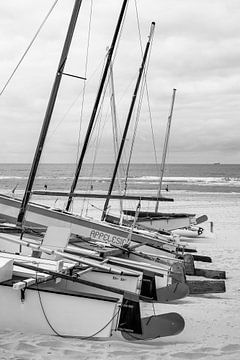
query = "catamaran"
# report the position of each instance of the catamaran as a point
(154, 283)
(39, 299)
(32, 301)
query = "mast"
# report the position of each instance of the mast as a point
(49, 111)
(115, 131)
(128, 120)
(165, 147)
(96, 104)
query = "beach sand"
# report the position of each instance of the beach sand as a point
(212, 325)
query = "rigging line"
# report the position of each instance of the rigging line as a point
(99, 122)
(120, 34)
(143, 88)
(147, 92)
(113, 60)
(96, 103)
(135, 128)
(101, 101)
(96, 141)
(43, 310)
(134, 137)
(84, 83)
(99, 111)
(69, 336)
(124, 156)
(138, 25)
(114, 55)
(120, 130)
(100, 130)
(90, 181)
(72, 104)
(28, 48)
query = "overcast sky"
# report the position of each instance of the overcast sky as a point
(196, 49)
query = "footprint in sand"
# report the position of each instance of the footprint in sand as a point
(230, 348)
(192, 355)
(199, 353)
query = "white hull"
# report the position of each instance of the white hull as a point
(43, 306)
(131, 283)
(166, 224)
(68, 315)
(148, 279)
(192, 232)
(38, 215)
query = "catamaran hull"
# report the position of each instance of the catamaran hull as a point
(55, 313)
(125, 282)
(166, 224)
(48, 313)
(40, 215)
(167, 283)
(41, 306)
(192, 232)
(154, 288)
(162, 221)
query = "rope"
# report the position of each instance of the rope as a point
(84, 83)
(134, 136)
(69, 336)
(147, 92)
(95, 143)
(28, 48)
(143, 87)
(44, 313)
(120, 34)
(97, 140)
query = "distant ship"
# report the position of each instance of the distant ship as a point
(217, 163)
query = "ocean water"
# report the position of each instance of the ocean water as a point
(188, 177)
(212, 327)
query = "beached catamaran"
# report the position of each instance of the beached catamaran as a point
(154, 283)
(44, 297)
(31, 298)
(30, 214)
(17, 211)
(156, 220)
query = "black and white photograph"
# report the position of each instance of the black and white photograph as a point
(119, 179)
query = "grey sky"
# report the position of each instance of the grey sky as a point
(196, 49)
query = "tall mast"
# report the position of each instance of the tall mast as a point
(96, 104)
(115, 131)
(49, 111)
(165, 148)
(128, 120)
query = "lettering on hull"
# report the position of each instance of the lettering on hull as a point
(108, 238)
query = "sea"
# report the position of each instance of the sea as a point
(212, 327)
(215, 177)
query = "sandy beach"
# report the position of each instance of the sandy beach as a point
(212, 328)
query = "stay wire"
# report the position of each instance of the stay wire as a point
(28, 48)
(84, 83)
(134, 136)
(120, 35)
(147, 92)
(143, 88)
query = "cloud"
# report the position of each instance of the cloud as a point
(196, 49)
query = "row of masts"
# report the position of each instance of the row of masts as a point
(50, 108)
